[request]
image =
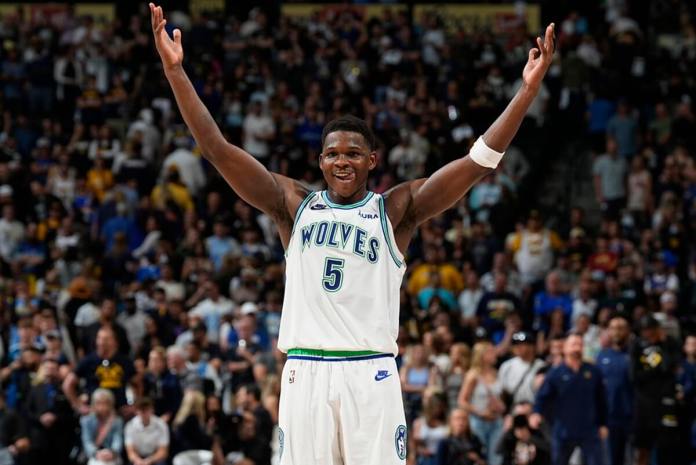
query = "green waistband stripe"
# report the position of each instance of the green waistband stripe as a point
(332, 353)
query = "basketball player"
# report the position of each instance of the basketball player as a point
(341, 397)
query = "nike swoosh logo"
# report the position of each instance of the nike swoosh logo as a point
(318, 207)
(381, 376)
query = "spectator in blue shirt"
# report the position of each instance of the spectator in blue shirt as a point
(550, 299)
(615, 364)
(433, 289)
(573, 401)
(495, 306)
(623, 127)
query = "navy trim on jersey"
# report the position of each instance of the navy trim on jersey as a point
(338, 359)
(362, 202)
(385, 230)
(302, 206)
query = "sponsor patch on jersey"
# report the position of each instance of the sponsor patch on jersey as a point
(319, 206)
(382, 374)
(368, 216)
(400, 441)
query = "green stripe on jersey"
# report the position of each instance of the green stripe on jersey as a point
(332, 353)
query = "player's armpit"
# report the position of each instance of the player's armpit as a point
(276, 195)
(413, 202)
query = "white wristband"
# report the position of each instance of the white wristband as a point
(484, 155)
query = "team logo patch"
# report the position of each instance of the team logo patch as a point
(400, 441)
(281, 442)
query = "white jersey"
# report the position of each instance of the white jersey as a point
(343, 277)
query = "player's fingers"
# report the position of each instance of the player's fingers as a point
(540, 46)
(177, 36)
(152, 15)
(549, 39)
(533, 54)
(160, 26)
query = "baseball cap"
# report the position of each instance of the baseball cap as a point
(668, 297)
(6, 190)
(522, 337)
(480, 333)
(36, 347)
(53, 334)
(249, 308)
(200, 326)
(649, 322)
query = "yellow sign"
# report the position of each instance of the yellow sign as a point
(56, 12)
(99, 11)
(198, 6)
(475, 17)
(366, 12)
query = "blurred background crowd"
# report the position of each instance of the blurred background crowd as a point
(551, 311)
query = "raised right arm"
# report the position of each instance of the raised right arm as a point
(274, 194)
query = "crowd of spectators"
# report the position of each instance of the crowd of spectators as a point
(140, 299)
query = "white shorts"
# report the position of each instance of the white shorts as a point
(337, 410)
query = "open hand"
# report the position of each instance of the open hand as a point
(170, 51)
(540, 59)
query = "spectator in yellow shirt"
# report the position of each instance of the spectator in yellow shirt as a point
(533, 247)
(450, 277)
(172, 189)
(99, 179)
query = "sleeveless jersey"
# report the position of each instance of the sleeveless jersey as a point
(343, 277)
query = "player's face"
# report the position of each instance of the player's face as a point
(346, 161)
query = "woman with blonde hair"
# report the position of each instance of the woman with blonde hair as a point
(192, 439)
(102, 430)
(480, 397)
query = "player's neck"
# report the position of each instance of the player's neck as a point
(356, 197)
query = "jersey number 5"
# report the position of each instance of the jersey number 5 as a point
(333, 274)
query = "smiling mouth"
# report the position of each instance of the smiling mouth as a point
(344, 176)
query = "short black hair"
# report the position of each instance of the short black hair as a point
(352, 124)
(253, 390)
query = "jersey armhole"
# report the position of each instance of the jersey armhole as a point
(299, 211)
(385, 230)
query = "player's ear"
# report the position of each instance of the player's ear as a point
(373, 160)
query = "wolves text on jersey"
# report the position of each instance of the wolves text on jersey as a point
(339, 235)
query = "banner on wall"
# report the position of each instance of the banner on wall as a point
(57, 13)
(501, 18)
(198, 6)
(366, 12)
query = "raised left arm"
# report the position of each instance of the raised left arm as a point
(413, 202)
